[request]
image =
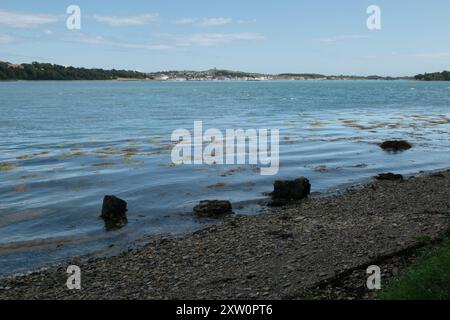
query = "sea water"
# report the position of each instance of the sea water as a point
(64, 145)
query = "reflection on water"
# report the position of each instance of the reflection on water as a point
(66, 144)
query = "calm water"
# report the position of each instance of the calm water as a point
(64, 145)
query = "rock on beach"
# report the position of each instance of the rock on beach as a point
(291, 189)
(389, 176)
(213, 208)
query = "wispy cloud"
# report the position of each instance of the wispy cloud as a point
(342, 38)
(213, 39)
(431, 55)
(25, 20)
(208, 22)
(186, 21)
(138, 20)
(168, 41)
(4, 39)
(99, 40)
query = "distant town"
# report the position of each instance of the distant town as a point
(227, 75)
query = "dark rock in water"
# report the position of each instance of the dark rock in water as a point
(390, 176)
(114, 212)
(291, 189)
(213, 208)
(395, 145)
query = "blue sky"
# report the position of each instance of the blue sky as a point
(321, 36)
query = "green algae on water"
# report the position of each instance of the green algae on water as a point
(7, 166)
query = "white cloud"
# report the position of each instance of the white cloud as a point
(208, 22)
(186, 21)
(169, 41)
(431, 55)
(246, 21)
(212, 39)
(138, 20)
(172, 41)
(4, 39)
(25, 20)
(99, 40)
(342, 38)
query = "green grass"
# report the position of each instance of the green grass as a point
(424, 239)
(427, 279)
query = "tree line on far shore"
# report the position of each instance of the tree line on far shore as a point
(436, 76)
(47, 71)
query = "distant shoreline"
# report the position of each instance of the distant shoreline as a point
(52, 72)
(214, 80)
(36, 71)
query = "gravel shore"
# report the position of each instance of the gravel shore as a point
(278, 255)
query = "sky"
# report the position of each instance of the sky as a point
(298, 36)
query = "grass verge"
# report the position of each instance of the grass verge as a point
(427, 279)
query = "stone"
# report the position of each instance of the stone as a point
(277, 203)
(291, 189)
(389, 176)
(114, 212)
(395, 145)
(213, 208)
